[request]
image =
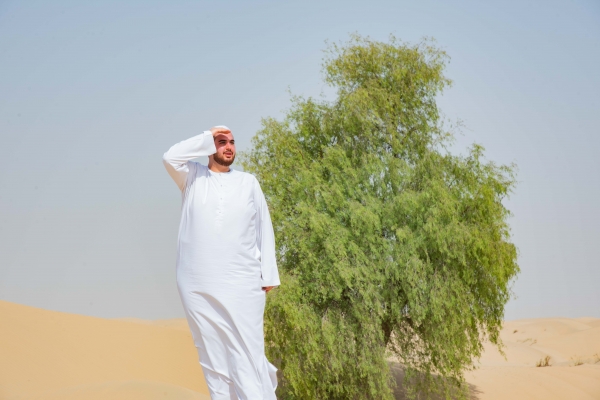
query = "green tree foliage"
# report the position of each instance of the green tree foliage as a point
(388, 244)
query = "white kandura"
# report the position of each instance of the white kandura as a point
(225, 255)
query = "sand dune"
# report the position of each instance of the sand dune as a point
(48, 355)
(574, 372)
(124, 390)
(54, 355)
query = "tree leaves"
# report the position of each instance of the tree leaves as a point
(387, 244)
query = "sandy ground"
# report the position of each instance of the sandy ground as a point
(49, 355)
(574, 372)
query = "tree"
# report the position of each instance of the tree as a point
(388, 244)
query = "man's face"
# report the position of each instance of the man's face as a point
(225, 149)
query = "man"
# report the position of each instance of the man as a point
(225, 265)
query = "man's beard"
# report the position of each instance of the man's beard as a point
(222, 161)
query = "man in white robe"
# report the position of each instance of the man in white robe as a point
(225, 265)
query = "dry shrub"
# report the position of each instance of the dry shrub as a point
(576, 361)
(544, 362)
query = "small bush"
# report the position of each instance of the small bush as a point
(576, 361)
(544, 362)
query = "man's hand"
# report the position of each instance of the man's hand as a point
(267, 288)
(217, 131)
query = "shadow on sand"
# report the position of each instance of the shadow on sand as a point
(400, 391)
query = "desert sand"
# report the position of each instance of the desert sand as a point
(49, 355)
(52, 355)
(573, 345)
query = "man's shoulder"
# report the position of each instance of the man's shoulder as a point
(199, 167)
(246, 176)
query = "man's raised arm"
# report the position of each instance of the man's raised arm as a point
(177, 158)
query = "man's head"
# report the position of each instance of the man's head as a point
(225, 145)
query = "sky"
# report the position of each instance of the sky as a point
(93, 93)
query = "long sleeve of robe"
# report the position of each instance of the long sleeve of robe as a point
(226, 254)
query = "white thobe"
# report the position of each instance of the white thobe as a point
(226, 254)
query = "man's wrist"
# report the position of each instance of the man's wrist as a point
(265, 284)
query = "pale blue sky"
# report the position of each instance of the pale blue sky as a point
(92, 94)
